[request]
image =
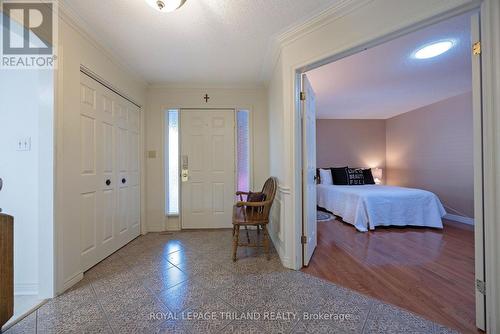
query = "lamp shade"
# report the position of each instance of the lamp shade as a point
(377, 175)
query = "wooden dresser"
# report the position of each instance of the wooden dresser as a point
(6, 268)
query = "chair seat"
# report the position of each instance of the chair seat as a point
(248, 216)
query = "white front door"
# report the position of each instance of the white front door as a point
(309, 171)
(208, 158)
(108, 174)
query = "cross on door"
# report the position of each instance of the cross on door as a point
(206, 97)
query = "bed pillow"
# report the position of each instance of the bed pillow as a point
(325, 176)
(256, 197)
(355, 176)
(368, 176)
(339, 176)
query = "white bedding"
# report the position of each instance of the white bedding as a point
(369, 206)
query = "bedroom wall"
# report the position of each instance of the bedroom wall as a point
(432, 148)
(352, 142)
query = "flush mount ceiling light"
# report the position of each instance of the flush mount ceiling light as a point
(433, 50)
(166, 5)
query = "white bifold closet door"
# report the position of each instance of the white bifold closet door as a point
(109, 178)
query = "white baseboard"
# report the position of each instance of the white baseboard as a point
(19, 317)
(173, 225)
(459, 219)
(285, 261)
(72, 281)
(155, 228)
(24, 289)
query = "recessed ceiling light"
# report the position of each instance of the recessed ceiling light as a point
(166, 5)
(433, 50)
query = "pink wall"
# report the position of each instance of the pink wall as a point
(432, 148)
(428, 148)
(357, 143)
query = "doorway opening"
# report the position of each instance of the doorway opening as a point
(392, 165)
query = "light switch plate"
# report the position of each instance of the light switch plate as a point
(23, 144)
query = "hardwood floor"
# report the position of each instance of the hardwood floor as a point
(426, 271)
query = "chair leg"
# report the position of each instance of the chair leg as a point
(248, 236)
(236, 238)
(266, 241)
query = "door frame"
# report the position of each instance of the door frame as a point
(177, 219)
(488, 22)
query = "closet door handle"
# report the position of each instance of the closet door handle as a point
(124, 180)
(108, 182)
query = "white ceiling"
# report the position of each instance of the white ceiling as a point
(385, 81)
(206, 41)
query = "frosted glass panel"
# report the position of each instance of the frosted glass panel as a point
(243, 149)
(173, 162)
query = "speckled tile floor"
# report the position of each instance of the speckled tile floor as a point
(185, 282)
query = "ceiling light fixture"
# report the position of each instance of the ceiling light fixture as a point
(433, 50)
(166, 5)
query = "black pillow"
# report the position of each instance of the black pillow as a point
(256, 197)
(339, 176)
(368, 176)
(355, 176)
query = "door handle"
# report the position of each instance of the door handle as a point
(185, 169)
(108, 182)
(184, 175)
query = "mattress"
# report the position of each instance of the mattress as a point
(369, 206)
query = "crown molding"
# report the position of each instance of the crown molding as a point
(293, 33)
(337, 11)
(197, 86)
(70, 16)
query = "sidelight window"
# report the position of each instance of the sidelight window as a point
(243, 150)
(172, 161)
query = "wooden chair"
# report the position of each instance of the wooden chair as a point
(256, 214)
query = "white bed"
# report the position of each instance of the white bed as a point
(369, 206)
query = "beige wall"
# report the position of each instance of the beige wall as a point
(432, 148)
(161, 98)
(351, 142)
